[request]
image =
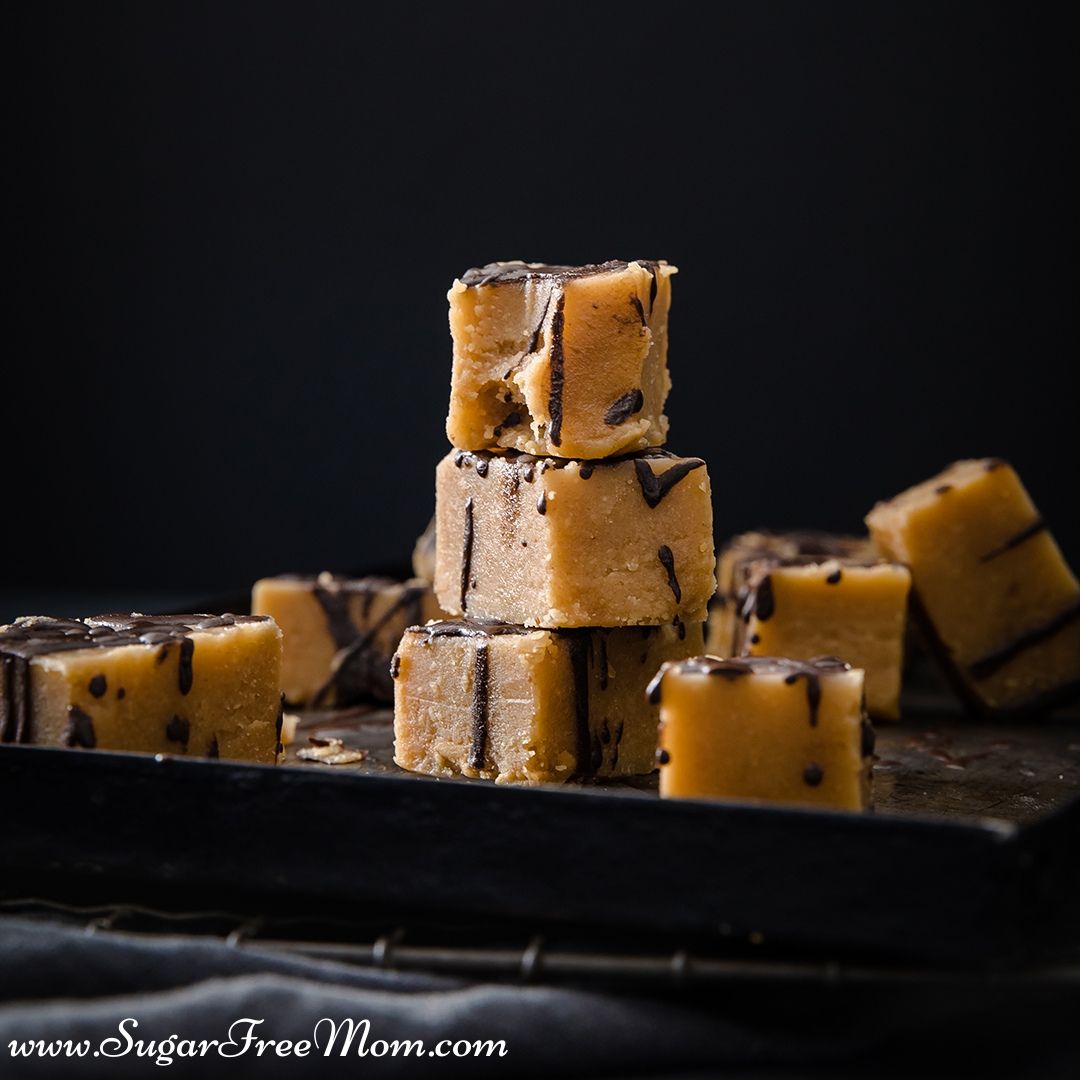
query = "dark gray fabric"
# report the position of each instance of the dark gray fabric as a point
(59, 982)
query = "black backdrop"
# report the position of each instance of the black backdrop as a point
(235, 225)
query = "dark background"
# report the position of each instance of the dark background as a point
(235, 225)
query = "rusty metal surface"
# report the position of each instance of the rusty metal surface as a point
(937, 761)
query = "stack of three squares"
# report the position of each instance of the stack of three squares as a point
(576, 555)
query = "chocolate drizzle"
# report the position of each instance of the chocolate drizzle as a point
(360, 667)
(98, 685)
(39, 636)
(622, 408)
(763, 600)
(835, 577)
(654, 487)
(534, 341)
(813, 774)
(185, 669)
(478, 745)
(541, 503)
(178, 730)
(558, 374)
(636, 304)
(994, 661)
(667, 560)
(515, 272)
(1026, 533)
(792, 670)
(80, 729)
(466, 552)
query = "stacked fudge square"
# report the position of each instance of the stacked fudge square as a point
(573, 554)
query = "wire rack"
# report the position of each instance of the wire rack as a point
(533, 959)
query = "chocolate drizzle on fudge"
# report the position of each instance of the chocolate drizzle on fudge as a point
(622, 408)
(478, 744)
(466, 551)
(994, 661)
(80, 729)
(359, 669)
(516, 272)
(587, 647)
(1036, 527)
(667, 560)
(655, 487)
(792, 670)
(558, 373)
(27, 638)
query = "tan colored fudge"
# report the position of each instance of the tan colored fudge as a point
(1000, 605)
(546, 542)
(809, 607)
(202, 685)
(767, 729)
(340, 633)
(560, 360)
(518, 705)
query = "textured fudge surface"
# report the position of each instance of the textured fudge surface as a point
(1000, 604)
(764, 728)
(198, 684)
(805, 608)
(560, 360)
(340, 632)
(518, 705)
(555, 543)
(737, 553)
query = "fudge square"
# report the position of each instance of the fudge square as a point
(1000, 605)
(340, 633)
(738, 552)
(202, 685)
(778, 730)
(517, 705)
(560, 360)
(555, 543)
(808, 607)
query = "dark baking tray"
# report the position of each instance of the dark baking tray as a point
(971, 857)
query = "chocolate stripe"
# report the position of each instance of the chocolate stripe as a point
(558, 373)
(667, 560)
(478, 746)
(1036, 527)
(994, 661)
(466, 551)
(655, 488)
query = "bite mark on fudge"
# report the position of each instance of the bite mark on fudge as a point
(80, 729)
(624, 407)
(667, 560)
